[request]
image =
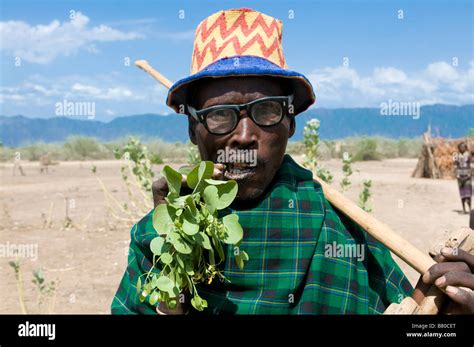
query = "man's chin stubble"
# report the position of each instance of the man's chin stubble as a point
(254, 195)
(250, 199)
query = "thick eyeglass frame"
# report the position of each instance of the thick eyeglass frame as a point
(201, 115)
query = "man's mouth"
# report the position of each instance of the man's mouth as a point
(239, 171)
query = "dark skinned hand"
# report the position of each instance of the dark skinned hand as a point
(455, 269)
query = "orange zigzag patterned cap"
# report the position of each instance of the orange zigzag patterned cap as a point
(240, 42)
(237, 32)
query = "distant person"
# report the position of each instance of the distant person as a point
(464, 176)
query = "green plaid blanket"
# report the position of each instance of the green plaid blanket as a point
(305, 258)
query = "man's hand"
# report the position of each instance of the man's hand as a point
(455, 268)
(160, 187)
(180, 309)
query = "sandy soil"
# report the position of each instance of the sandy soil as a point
(88, 259)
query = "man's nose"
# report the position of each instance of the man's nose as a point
(245, 134)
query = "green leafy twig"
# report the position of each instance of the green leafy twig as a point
(188, 247)
(346, 171)
(365, 195)
(138, 154)
(136, 173)
(16, 265)
(45, 289)
(311, 143)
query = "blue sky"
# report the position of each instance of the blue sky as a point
(426, 56)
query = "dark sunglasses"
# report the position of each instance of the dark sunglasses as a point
(223, 119)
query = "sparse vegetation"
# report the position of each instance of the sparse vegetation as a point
(137, 176)
(137, 153)
(16, 266)
(363, 148)
(366, 149)
(311, 147)
(193, 154)
(88, 148)
(347, 171)
(81, 148)
(46, 291)
(364, 196)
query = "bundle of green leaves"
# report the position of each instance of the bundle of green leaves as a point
(189, 246)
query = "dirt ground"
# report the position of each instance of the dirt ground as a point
(88, 259)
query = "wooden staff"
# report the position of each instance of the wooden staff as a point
(143, 64)
(418, 260)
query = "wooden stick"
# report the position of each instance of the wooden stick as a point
(143, 64)
(418, 260)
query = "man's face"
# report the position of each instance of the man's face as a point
(269, 142)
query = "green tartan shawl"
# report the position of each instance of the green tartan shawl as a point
(290, 235)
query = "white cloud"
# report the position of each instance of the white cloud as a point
(12, 97)
(43, 43)
(388, 75)
(112, 93)
(442, 72)
(115, 92)
(85, 89)
(439, 82)
(28, 93)
(79, 90)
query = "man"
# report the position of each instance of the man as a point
(305, 256)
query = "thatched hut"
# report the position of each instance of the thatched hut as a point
(437, 156)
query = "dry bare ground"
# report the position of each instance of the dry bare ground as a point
(89, 258)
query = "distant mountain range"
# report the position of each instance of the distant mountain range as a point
(446, 121)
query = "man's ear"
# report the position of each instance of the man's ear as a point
(192, 130)
(292, 127)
